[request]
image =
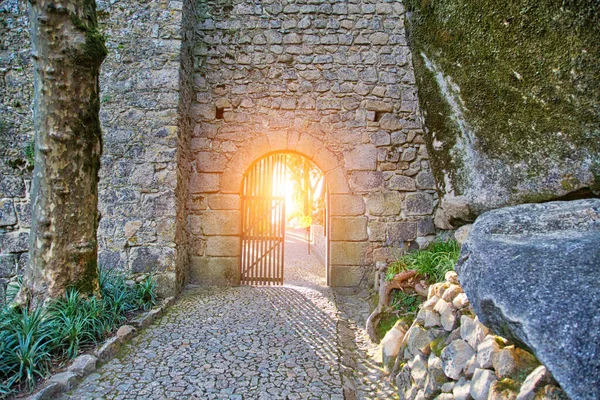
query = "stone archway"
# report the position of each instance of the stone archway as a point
(217, 223)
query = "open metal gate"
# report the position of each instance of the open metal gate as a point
(263, 222)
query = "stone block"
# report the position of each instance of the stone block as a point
(208, 161)
(384, 204)
(66, 380)
(363, 157)
(425, 226)
(455, 357)
(337, 182)
(377, 231)
(418, 370)
(203, 112)
(151, 259)
(346, 205)
(222, 222)
(512, 362)
(214, 270)
(325, 160)
(166, 284)
(231, 181)
(461, 389)
(223, 201)
(8, 216)
(425, 180)
(83, 365)
(8, 265)
(24, 213)
(538, 378)
(390, 122)
(108, 349)
(418, 204)
(223, 246)
(204, 183)
(160, 204)
(401, 231)
(12, 186)
(366, 181)
(419, 340)
(349, 228)
(402, 183)
(378, 105)
(349, 253)
(480, 384)
(14, 242)
(345, 276)
(125, 332)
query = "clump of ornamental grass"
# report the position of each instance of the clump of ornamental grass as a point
(31, 341)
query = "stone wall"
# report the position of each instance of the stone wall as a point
(16, 134)
(139, 101)
(448, 354)
(330, 80)
(139, 115)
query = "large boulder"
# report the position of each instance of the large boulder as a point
(510, 115)
(532, 274)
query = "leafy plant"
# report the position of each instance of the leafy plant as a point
(26, 339)
(30, 340)
(433, 261)
(146, 293)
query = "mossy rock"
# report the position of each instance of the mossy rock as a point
(511, 97)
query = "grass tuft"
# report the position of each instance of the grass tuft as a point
(433, 261)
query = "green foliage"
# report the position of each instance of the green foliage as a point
(30, 340)
(408, 302)
(25, 342)
(146, 293)
(30, 152)
(433, 262)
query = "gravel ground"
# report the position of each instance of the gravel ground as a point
(249, 343)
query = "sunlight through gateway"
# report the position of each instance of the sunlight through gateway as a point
(279, 190)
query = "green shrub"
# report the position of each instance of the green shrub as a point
(433, 262)
(31, 340)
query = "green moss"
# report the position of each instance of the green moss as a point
(527, 72)
(386, 323)
(508, 386)
(437, 345)
(87, 282)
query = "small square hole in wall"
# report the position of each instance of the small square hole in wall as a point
(220, 112)
(378, 115)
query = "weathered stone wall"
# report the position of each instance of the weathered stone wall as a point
(16, 133)
(330, 80)
(139, 101)
(139, 81)
(510, 93)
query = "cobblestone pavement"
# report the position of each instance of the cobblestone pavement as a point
(243, 343)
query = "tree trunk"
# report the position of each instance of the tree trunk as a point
(67, 53)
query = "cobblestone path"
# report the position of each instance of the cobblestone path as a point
(247, 343)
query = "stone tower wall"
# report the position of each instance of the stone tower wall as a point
(330, 80)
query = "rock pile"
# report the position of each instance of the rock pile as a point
(449, 354)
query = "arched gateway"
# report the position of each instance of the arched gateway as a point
(331, 82)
